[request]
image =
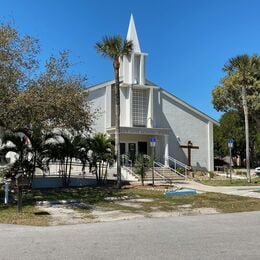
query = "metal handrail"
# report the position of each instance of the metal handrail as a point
(159, 164)
(126, 158)
(176, 162)
(130, 170)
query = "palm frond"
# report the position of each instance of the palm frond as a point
(114, 47)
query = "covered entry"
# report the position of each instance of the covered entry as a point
(135, 140)
(133, 148)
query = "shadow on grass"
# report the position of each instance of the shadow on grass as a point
(42, 213)
(89, 194)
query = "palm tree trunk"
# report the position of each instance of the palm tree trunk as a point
(70, 168)
(34, 165)
(65, 172)
(117, 123)
(105, 175)
(96, 173)
(99, 172)
(246, 133)
(102, 171)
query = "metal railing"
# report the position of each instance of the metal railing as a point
(126, 161)
(178, 164)
(158, 167)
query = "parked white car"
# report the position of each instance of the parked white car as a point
(257, 170)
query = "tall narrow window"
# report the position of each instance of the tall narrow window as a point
(136, 79)
(140, 107)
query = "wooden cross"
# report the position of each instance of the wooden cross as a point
(189, 146)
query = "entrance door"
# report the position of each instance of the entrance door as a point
(122, 152)
(122, 148)
(142, 147)
(132, 151)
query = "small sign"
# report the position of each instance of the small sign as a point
(230, 143)
(152, 141)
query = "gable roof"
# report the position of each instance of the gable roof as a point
(168, 94)
(190, 107)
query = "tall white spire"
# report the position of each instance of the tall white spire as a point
(132, 35)
(132, 70)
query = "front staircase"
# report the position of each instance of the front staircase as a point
(162, 173)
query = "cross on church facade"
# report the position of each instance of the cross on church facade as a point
(189, 146)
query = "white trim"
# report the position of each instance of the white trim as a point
(131, 105)
(101, 85)
(150, 110)
(166, 150)
(140, 130)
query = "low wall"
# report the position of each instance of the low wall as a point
(56, 182)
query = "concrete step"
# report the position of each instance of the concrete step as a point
(163, 174)
(169, 174)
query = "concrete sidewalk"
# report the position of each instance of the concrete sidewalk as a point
(245, 191)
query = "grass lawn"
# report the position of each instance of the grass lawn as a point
(28, 216)
(235, 182)
(157, 201)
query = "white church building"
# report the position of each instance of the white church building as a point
(150, 113)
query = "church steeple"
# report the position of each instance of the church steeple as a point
(132, 69)
(132, 35)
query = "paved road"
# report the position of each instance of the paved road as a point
(220, 236)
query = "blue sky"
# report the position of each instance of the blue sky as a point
(188, 41)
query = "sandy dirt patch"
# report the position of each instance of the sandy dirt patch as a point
(65, 213)
(61, 215)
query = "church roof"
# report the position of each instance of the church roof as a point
(170, 95)
(190, 107)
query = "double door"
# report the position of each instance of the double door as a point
(133, 148)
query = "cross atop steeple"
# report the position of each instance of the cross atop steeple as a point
(132, 35)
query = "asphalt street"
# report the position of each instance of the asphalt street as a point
(219, 236)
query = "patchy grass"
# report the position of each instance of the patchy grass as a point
(222, 202)
(234, 182)
(29, 215)
(95, 196)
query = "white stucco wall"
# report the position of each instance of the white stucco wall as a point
(108, 106)
(185, 125)
(124, 107)
(97, 99)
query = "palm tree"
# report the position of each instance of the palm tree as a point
(115, 47)
(35, 140)
(82, 145)
(102, 156)
(244, 68)
(19, 143)
(15, 142)
(62, 149)
(141, 166)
